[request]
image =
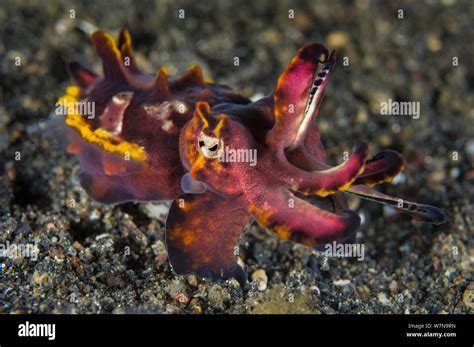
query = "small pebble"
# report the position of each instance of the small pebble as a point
(217, 296)
(468, 296)
(340, 283)
(40, 278)
(393, 286)
(157, 210)
(192, 280)
(261, 279)
(470, 148)
(324, 264)
(182, 298)
(77, 246)
(433, 43)
(196, 306)
(337, 39)
(315, 290)
(362, 116)
(382, 298)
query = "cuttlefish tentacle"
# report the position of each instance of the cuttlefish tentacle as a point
(420, 212)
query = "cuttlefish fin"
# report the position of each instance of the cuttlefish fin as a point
(202, 233)
(125, 47)
(107, 50)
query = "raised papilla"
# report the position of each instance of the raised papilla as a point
(156, 137)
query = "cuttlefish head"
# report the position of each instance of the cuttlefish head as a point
(205, 143)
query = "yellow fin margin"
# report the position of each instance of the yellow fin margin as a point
(104, 139)
(99, 137)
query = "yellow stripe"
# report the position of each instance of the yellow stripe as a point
(165, 69)
(324, 193)
(208, 80)
(103, 139)
(99, 136)
(217, 129)
(73, 91)
(204, 120)
(66, 99)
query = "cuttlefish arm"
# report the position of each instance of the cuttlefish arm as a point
(298, 94)
(295, 219)
(383, 167)
(202, 231)
(326, 181)
(296, 100)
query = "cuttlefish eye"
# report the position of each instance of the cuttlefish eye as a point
(210, 146)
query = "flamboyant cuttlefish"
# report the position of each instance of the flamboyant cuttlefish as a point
(189, 140)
